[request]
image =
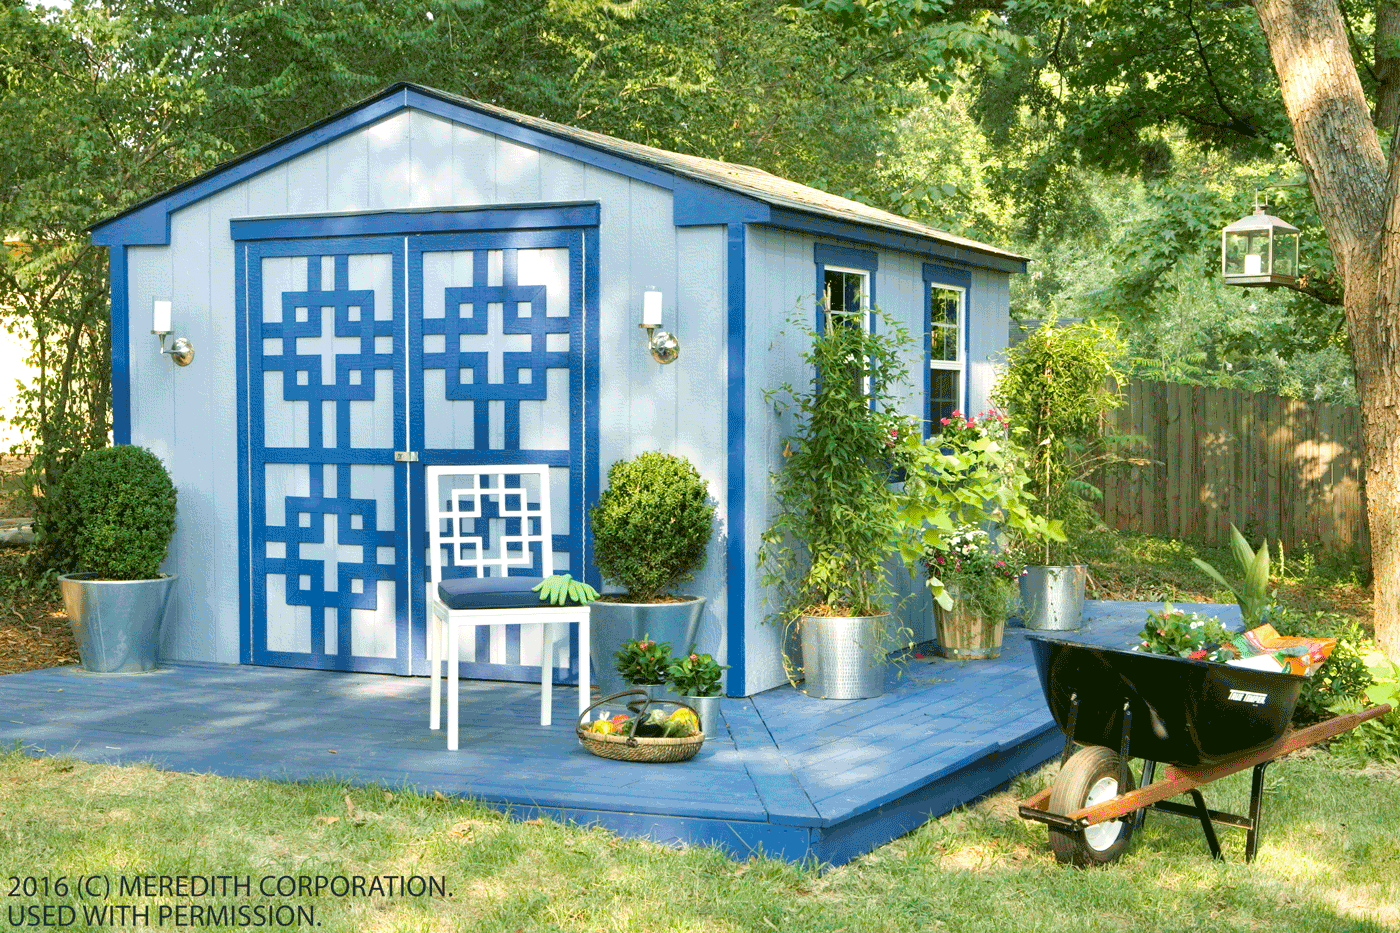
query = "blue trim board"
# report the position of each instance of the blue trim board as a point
(812, 781)
(120, 335)
(737, 555)
(446, 220)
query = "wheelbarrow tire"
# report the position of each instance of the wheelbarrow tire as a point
(1089, 777)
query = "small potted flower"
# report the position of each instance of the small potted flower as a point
(981, 579)
(696, 680)
(644, 664)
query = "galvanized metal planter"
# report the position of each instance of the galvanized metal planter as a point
(964, 634)
(1053, 597)
(843, 657)
(116, 623)
(611, 624)
(707, 708)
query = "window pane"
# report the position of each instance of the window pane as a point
(844, 292)
(944, 317)
(944, 395)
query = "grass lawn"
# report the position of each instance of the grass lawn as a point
(1326, 863)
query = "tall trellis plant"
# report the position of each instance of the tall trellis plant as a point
(837, 522)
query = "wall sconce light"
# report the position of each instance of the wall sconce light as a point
(664, 346)
(181, 351)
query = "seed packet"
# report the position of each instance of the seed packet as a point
(1291, 654)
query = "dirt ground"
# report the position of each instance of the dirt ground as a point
(33, 627)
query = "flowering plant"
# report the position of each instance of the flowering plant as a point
(1173, 632)
(696, 675)
(643, 661)
(971, 567)
(961, 430)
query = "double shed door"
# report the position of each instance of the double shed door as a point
(367, 359)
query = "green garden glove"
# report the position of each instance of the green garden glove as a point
(561, 589)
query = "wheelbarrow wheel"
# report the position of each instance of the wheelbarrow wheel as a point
(1089, 778)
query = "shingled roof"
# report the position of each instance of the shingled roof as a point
(745, 180)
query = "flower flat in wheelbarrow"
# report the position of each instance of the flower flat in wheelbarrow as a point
(1204, 720)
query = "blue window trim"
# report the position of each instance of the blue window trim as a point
(955, 278)
(737, 556)
(826, 254)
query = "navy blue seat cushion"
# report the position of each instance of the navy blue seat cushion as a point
(492, 593)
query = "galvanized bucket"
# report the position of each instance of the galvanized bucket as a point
(611, 624)
(116, 623)
(1053, 597)
(843, 657)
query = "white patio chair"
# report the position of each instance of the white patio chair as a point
(469, 517)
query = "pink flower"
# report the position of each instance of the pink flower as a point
(1197, 654)
(695, 657)
(946, 422)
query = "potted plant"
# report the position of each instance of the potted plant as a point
(643, 664)
(651, 532)
(1057, 384)
(118, 506)
(981, 580)
(695, 678)
(837, 523)
(964, 485)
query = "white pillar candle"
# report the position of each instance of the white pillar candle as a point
(160, 317)
(1251, 264)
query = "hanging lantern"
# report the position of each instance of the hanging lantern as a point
(1259, 250)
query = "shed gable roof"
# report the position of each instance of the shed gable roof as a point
(709, 191)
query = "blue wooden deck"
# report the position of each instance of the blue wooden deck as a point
(795, 777)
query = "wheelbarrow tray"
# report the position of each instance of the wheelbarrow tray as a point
(1190, 713)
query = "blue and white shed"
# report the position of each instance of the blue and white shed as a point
(314, 276)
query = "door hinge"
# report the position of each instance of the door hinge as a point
(406, 456)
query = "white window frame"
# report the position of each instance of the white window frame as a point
(935, 364)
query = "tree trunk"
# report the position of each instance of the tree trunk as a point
(1358, 200)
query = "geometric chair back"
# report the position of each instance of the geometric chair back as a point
(489, 521)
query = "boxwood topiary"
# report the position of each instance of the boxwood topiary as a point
(652, 525)
(119, 506)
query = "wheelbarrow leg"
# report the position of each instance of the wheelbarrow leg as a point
(1256, 804)
(1069, 729)
(1149, 771)
(1209, 827)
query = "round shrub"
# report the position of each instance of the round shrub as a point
(119, 505)
(652, 525)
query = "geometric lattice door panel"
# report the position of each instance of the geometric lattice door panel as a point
(367, 360)
(329, 568)
(496, 377)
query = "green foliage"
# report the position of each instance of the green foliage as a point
(1253, 594)
(838, 518)
(1055, 388)
(696, 675)
(643, 661)
(117, 505)
(1172, 632)
(971, 568)
(967, 475)
(1344, 677)
(1376, 739)
(652, 525)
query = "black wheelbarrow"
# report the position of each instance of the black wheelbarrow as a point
(1202, 719)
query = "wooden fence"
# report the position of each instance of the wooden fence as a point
(1277, 468)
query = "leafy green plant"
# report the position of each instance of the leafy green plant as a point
(1344, 676)
(652, 525)
(696, 675)
(1376, 739)
(969, 475)
(973, 569)
(643, 661)
(118, 505)
(1253, 594)
(838, 518)
(1056, 386)
(1173, 632)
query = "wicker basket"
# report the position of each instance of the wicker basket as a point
(632, 748)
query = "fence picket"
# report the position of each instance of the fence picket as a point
(1283, 469)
